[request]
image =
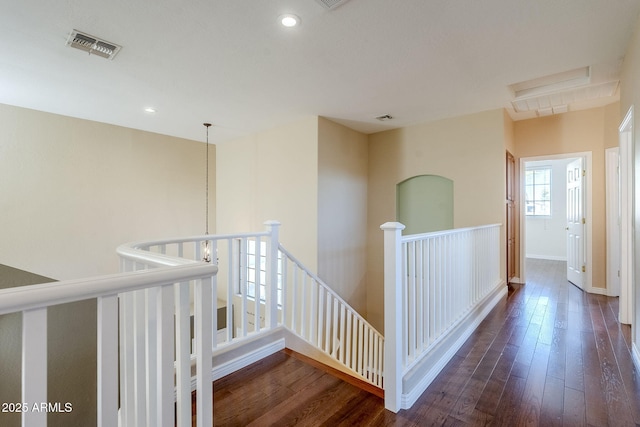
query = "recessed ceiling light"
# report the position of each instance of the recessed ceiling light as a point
(289, 20)
(150, 110)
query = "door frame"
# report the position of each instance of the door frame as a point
(587, 156)
(625, 132)
(612, 218)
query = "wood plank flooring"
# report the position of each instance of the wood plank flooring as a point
(549, 355)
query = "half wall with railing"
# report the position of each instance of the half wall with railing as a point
(438, 287)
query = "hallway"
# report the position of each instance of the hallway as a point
(550, 355)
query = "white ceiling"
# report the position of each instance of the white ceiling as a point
(229, 62)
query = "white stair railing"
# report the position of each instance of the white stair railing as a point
(175, 311)
(262, 292)
(316, 313)
(157, 401)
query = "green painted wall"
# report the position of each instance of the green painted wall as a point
(425, 204)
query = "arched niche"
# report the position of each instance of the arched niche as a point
(424, 203)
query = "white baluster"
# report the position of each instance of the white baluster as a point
(151, 319)
(284, 280)
(34, 365)
(232, 284)
(139, 357)
(335, 329)
(213, 327)
(127, 371)
(107, 355)
(165, 351)
(180, 250)
(320, 317)
(348, 342)
(304, 308)
(244, 321)
(203, 332)
(419, 302)
(410, 304)
(314, 312)
(258, 292)
(271, 308)
(183, 355)
(327, 323)
(342, 334)
(295, 303)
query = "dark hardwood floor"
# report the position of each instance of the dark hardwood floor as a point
(549, 355)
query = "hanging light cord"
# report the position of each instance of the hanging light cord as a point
(207, 125)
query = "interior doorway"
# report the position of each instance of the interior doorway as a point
(545, 217)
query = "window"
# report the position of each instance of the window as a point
(537, 190)
(256, 272)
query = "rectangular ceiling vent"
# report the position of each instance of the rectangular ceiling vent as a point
(331, 4)
(92, 45)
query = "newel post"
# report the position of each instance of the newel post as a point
(271, 314)
(392, 315)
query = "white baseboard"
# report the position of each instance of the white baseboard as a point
(247, 359)
(548, 257)
(452, 343)
(517, 280)
(600, 291)
(243, 360)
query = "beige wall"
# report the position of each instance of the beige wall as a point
(591, 130)
(469, 150)
(272, 175)
(630, 96)
(342, 211)
(73, 190)
(312, 177)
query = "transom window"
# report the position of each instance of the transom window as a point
(537, 190)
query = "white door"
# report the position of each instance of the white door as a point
(575, 223)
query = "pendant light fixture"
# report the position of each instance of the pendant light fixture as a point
(206, 249)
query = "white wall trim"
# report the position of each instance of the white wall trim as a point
(247, 359)
(600, 291)
(626, 143)
(612, 219)
(549, 257)
(636, 355)
(242, 361)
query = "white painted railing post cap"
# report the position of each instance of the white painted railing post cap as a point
(392, 226)
(272, 223)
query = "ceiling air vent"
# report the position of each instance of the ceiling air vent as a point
(331, 4)
(93, 45)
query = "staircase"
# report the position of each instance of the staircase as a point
(184, 322)
(265, 300)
